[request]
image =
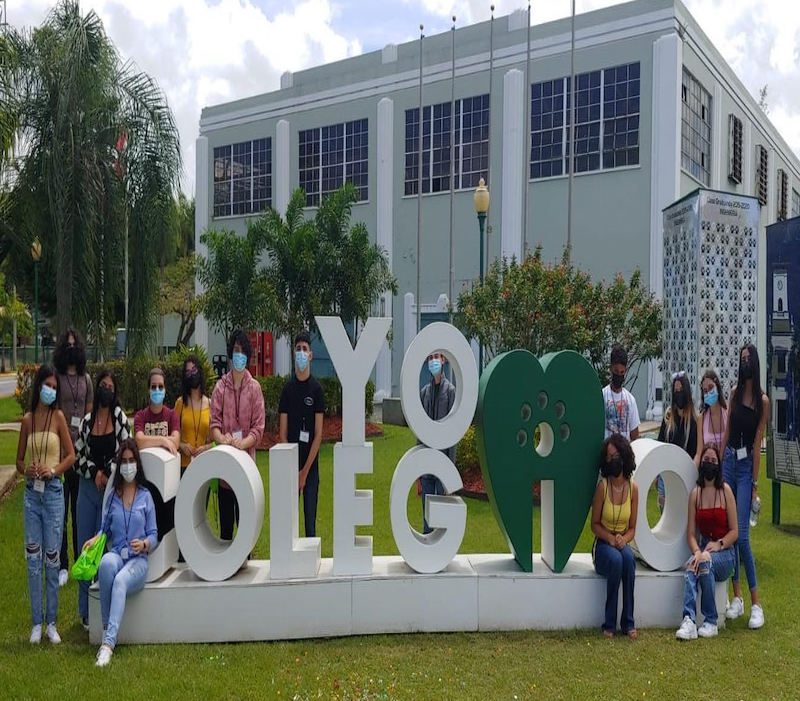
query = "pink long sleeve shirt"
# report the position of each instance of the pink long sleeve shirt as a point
(238, 409)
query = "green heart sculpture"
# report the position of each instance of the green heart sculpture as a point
(561, 396)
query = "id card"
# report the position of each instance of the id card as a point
(38, 485)
(237, 435)
(124, 553)
(741, 454)
(304, 436)
(76, 422)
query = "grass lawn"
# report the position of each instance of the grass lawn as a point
(9, 410)
(739, 664)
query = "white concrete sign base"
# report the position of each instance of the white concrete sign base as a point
(474, 593)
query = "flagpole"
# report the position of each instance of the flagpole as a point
(452, 156)
(489, 144)
(419, 185)
(571, 140)
(526, 161)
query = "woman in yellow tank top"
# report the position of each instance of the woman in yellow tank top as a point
(44, 453)
(194, 409)
(616, 501)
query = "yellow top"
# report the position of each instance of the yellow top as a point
(194, 427)
(615, 517)
(44, 447)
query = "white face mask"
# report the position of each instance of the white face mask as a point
(128, 471)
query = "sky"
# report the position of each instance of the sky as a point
(204, 52)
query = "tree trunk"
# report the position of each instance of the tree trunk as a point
(183, 339)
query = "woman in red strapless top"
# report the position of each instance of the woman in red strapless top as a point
(712, 516)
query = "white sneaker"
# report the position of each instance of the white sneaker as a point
(85, 624)
(52, 634)
(687, 631)
(36, 634)
(103, 656)
(707, 630)
(63, 577)
(735, 609)
(756, 617)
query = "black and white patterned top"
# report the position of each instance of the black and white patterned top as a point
(83, 462)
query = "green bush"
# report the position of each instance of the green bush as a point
(467, 453)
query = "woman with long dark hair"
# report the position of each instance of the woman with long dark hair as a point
(713, 415)
(749, 408)
(194, 410)
(100, 434)
(75, 400)
(614, 509)
(130, 526)
(44, 453)
(712, 514)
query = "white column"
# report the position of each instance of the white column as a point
(513, 155)
(383, 367)
(282, 180)
(665, 167)
(201, 219)
(718, 137)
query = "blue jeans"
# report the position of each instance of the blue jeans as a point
(430, 485)
(708, 574)
(617, 566)
(738, 474)
(662, 493)
(90, 513)
(117, 579)
(43, 513)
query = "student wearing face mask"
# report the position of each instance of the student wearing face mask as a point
(75, 400)
(302, 409)
(437, 397)
(749, 408)
(130, 527)
(714, 415)
(614, 509)
(237, 419)
(679, 425)
(44, 453)
(712, 514)
(100, 434)
(194, 411)
(622, 414)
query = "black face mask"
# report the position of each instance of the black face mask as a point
(193, 379)
(679, 399)
(745, 370)
(613, 467)
(616, 381)
(709, 470)
(72, 355)
(105, 396)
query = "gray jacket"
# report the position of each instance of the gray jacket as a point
(445, 400)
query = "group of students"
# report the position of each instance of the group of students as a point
(76, 437)
(724, 440)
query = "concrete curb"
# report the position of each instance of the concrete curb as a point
(8, 478)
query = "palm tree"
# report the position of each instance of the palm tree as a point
(97, 165)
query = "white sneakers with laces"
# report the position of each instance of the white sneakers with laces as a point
(36, 634)
(687, 631)
(103, 656)
(52, 634)
(756, 617)
(735, 609)
(707, 630)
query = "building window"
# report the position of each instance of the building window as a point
(783, 195)
(795, 203)
(606, 122)
(332, 155)
(471, 153)
(695, 129)
(243, 178)
(782, 363)
(762, 185)
(734, 149)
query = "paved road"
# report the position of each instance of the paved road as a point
(8, 383)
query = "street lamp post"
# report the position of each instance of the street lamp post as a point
(481, 208)
(36, 254)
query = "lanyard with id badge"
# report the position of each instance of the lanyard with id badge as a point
(124, 553)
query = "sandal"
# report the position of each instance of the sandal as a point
(633, 634)
(608, 633)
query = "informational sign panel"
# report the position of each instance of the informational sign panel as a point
(710, 285)
(783, 379)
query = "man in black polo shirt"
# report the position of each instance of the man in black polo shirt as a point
(301, 409)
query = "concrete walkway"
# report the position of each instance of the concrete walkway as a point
(8, 477)
(12, 426)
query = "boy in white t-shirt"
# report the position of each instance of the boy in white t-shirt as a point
(622, 414)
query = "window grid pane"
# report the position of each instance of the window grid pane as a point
(262, 174)
(222, 181)
(621, 104)
(241, 177)
(472, 127)
(547, 128)
(309, 141)
(587, 122)
(795, 203)
(357, 156)
(695, 128)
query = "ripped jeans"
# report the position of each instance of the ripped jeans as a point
(708, 574)
(44, 524)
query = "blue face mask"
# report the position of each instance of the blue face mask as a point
(435, 367)
(157, 396)
(301, 360)
(47, 395)
(711, 398)
(239, 361)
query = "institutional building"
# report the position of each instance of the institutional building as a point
(659, 114)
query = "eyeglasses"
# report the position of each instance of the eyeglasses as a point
(676, 375)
